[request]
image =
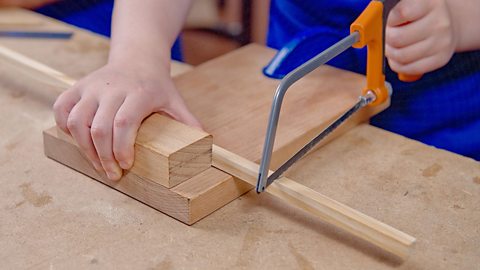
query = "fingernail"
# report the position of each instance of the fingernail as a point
(125, 165)
(114, 173)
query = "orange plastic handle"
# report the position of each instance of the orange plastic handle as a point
(369, 25)
(408, 78)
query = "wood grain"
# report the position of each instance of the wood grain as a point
(169, 152)
(232, 99)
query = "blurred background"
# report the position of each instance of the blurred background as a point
(213, 27)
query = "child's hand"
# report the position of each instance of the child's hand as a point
(420, 36)
(104, 111)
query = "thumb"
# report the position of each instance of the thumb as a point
(180, 112)
(185, 116)
(407, 11)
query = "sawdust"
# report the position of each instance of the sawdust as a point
(19, 204)
(11, 145)
(303, 262)
(112, 215)
(250, 241)
(432, 170)
(408, 152)
(33, 197)
(166, 264)
(476, 180)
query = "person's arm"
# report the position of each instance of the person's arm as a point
(146, 30)
(104, 110)
(466, 14)
(423, 35)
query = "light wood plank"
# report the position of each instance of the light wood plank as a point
(232, 99)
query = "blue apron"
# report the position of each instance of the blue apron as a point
(442, 109)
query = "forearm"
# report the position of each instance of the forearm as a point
(146, 32)
(465, 14)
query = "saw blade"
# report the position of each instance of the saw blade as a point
(362, 102)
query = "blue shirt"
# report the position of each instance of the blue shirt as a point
(442, 109)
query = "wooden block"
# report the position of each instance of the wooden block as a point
(187, 202)
(169, 152)
(210, 190)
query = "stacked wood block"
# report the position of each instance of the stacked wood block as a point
(172, 171)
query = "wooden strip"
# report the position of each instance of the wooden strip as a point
(188, 202)
(329, 210)
(36, 70)
(49, 76)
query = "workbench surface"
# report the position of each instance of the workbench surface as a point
(53, 217)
